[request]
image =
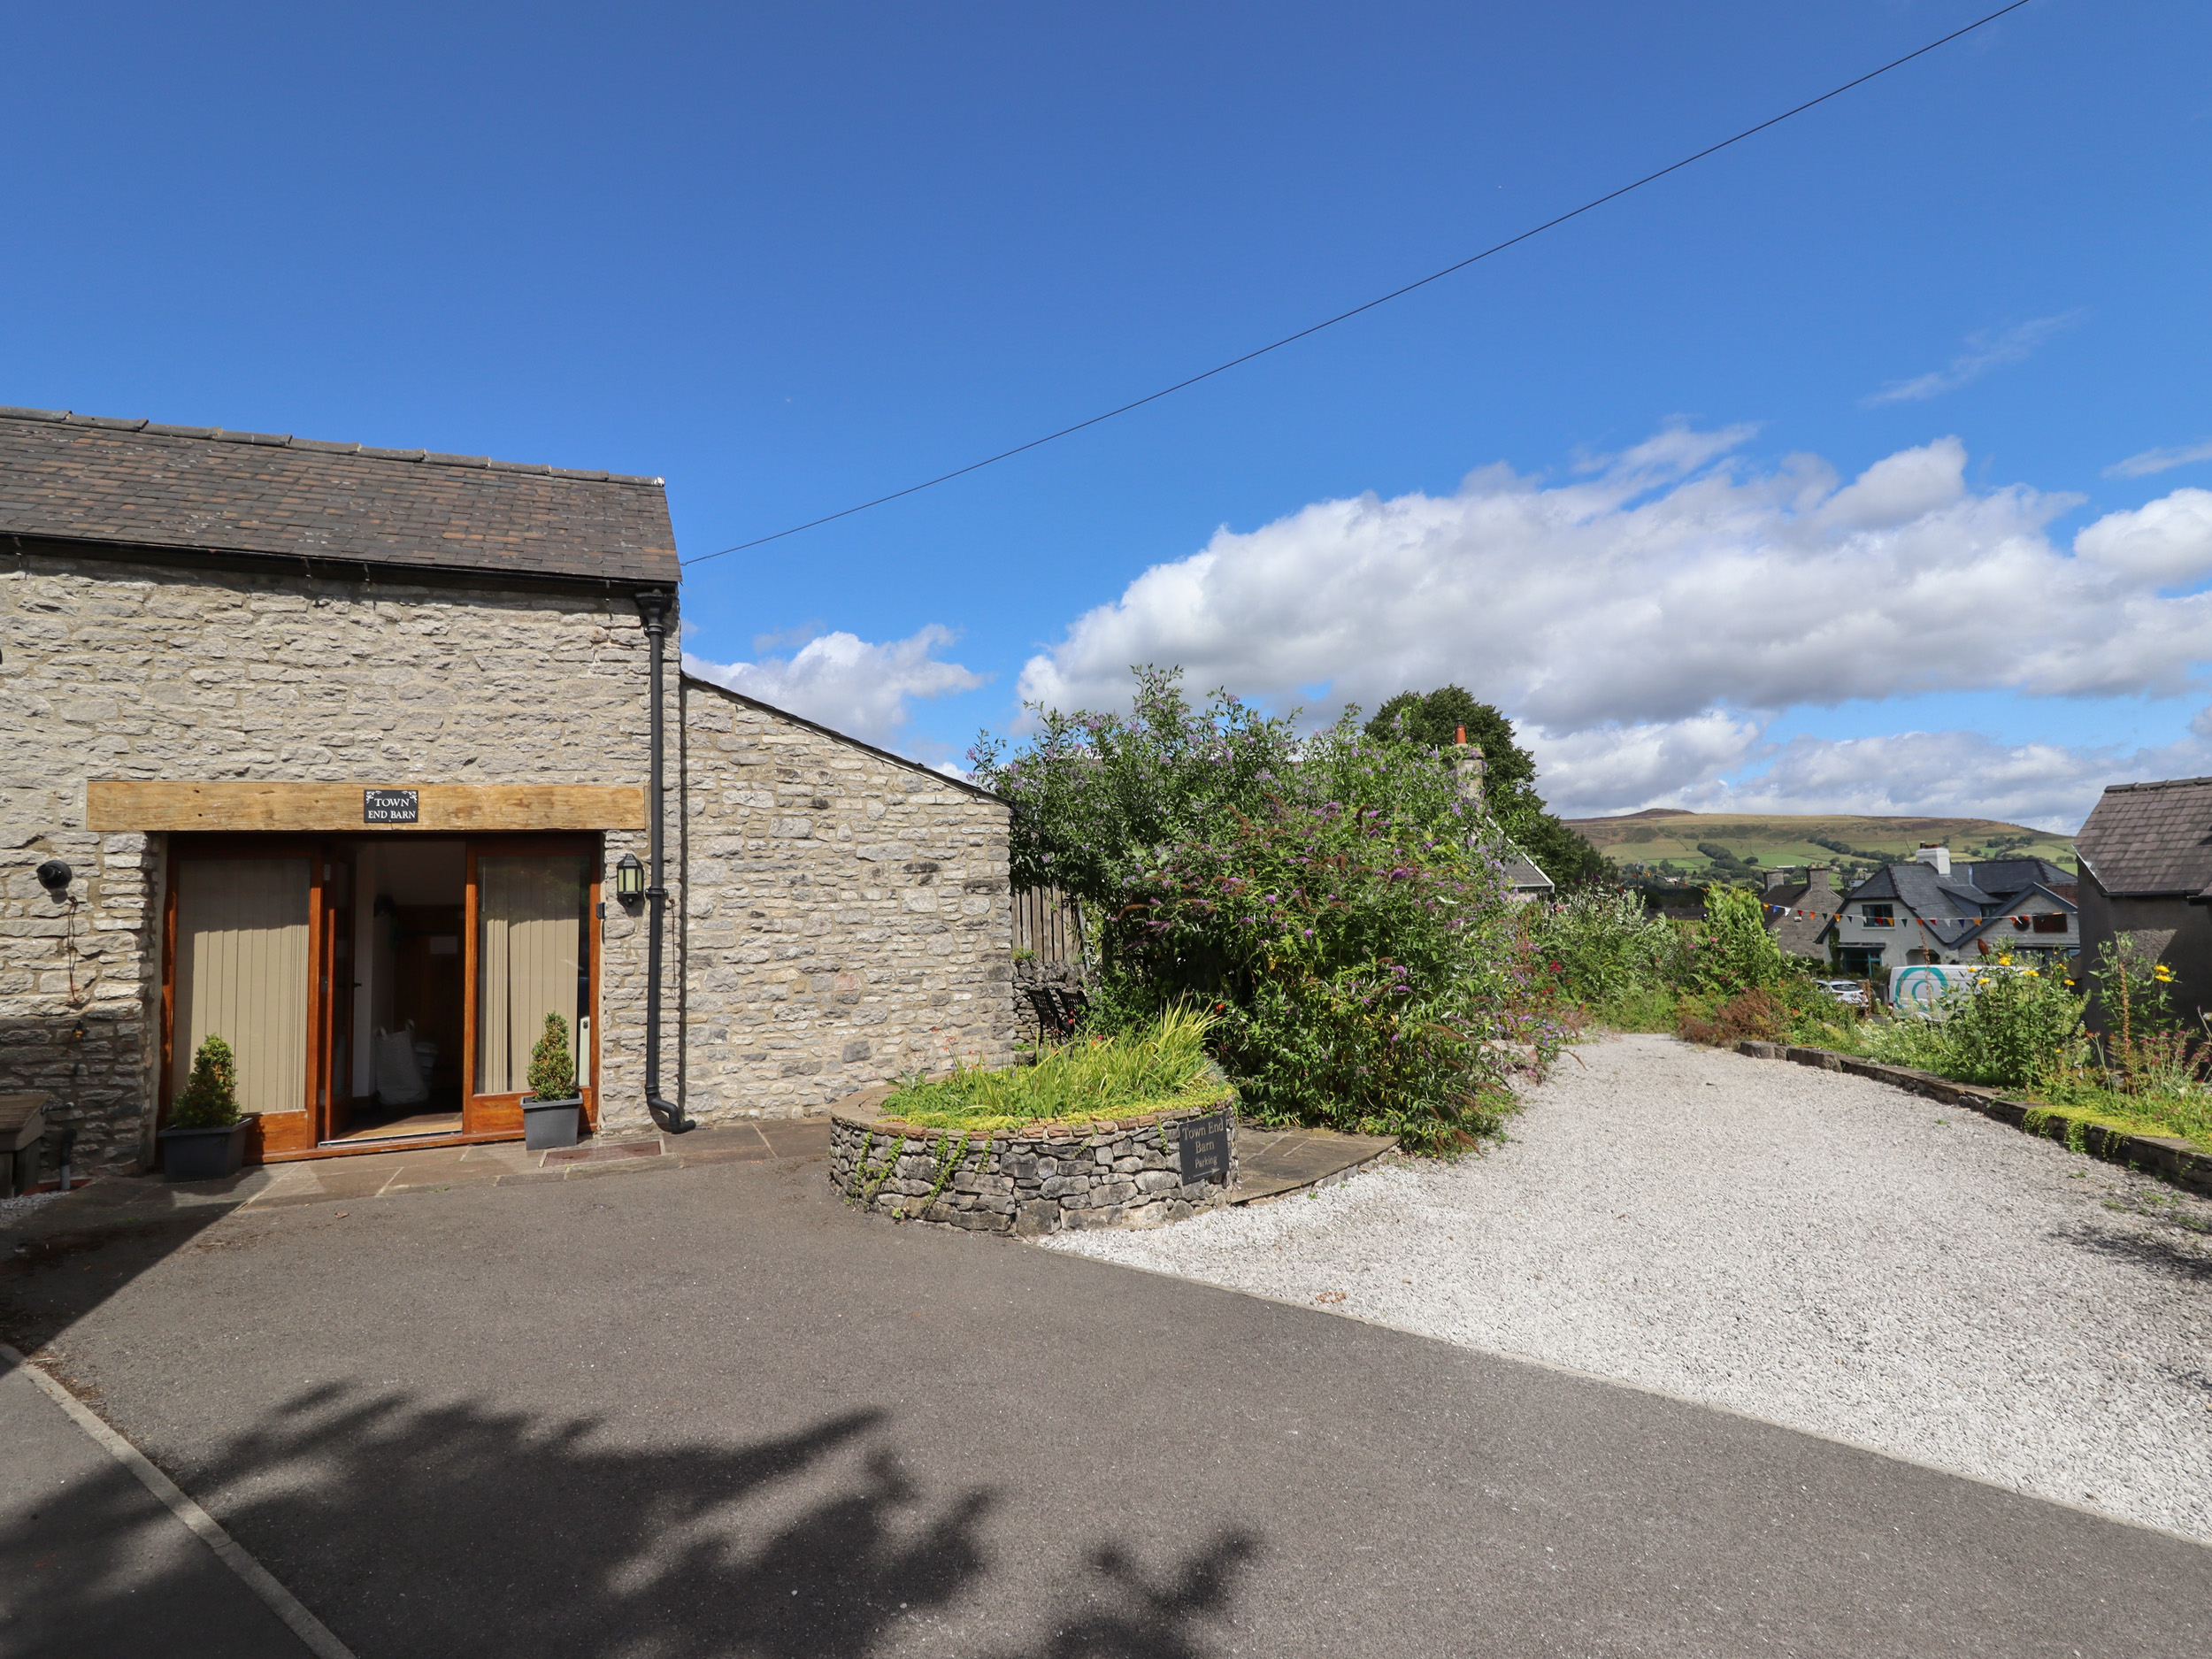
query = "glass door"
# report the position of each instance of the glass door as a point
(531, 971)
(244, 948)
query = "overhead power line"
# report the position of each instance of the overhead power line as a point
(1384, 299)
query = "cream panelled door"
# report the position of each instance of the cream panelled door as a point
(242, 974)
(532, 959)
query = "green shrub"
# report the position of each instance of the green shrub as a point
(208, 1099)
(2008, 1027)
(1737, 953)
(1333, 900)
(1364, 970)
(1604, 945)
(552, 1072)
(1160, 1064)
(1640, 1008)
(2013, 1028)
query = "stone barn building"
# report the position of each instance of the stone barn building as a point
(356, 757)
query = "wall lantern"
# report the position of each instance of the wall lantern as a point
(629, 880)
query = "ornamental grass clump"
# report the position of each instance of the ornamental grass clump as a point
(208, 1099)
(552, 1074)
(1159, 1065)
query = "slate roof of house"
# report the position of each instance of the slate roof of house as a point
(1522, 873)
(1972, 899)
(1800, 935)
(2150, 838)
(80, 478)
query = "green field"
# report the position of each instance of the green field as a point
(1666, 841)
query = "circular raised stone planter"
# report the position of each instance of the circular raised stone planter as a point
(1042, 1178)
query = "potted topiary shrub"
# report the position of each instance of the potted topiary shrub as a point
(551, 1110)
(206, 1137)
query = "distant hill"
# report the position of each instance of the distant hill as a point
(1668, 841)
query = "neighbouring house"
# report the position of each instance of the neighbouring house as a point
(1930, 911)
(2147, 878)
(1798, 911)
(1525, 881)
(367, 760)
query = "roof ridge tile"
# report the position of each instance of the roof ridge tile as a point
(218, 434)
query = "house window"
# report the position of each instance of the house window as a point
(1878, 916)
(2053, 923)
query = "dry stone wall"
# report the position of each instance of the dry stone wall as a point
(114, 669)
(1057, 1178)
(846, 918)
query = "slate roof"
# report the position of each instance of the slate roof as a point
(1974, 899)
(2144, 838)
(1800, 935)
(79, 477)
(1522, 873)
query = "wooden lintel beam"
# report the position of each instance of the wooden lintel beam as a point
(325, 808)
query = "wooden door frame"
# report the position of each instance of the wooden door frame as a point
(499, 1116)
(322, 986)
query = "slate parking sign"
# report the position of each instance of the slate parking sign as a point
(1206, 1150)
(390, 806)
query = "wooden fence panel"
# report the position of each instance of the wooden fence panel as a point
(1049, 924)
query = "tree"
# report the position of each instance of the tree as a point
(1435, 718)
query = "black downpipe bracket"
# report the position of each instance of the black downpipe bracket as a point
(652, 607)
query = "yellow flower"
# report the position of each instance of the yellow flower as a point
(2030, 973)
(2004, 962)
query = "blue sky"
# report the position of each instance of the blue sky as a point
(790, 259)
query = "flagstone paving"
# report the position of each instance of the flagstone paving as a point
(1274, 1162)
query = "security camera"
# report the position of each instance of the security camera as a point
(54, 877)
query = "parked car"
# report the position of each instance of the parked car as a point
(1851, 993)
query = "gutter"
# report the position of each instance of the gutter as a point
(652, 607)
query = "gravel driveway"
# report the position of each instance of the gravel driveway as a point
(1807, 1247)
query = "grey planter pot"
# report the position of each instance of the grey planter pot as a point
(547, 1123)
(204, 1155)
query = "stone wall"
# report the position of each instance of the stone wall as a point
(1114, 1173)
(846, 918)
(146, 670)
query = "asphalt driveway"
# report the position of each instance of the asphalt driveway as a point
(711, 1411)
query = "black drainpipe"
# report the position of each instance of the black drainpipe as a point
(669, 1115)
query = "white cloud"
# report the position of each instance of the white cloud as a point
(847, 683)
(1984, 351)
(2168, 542)
(2152, 461)
(1645, 620)
(2047, 786)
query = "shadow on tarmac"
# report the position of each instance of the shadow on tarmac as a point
(461, 1529)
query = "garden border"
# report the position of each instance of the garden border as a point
(2167, 1157)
